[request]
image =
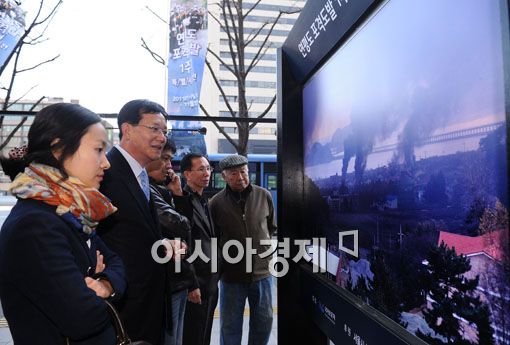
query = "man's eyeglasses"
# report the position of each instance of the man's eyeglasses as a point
(204, 169)
(154, 130)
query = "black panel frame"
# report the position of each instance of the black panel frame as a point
(303, 296)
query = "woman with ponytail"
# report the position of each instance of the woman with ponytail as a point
(55, 273)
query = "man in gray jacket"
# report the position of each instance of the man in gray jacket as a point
(242, 211)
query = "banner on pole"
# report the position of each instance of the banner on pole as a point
(188, 45)
(186, 60)
(12, 27)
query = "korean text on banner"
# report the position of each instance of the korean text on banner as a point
(188, 45)
(12, 27)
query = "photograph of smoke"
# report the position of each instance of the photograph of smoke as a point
(405, 140)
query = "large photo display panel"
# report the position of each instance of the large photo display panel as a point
(405, 141)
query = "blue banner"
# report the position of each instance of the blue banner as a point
(186, 59)
(188, 46)
(12, 27)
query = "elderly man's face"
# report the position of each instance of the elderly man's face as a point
(237, 178)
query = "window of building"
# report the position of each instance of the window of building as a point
(269, 115)
(271, 181)
(249, 99)
(255, 43)
(16, 107)
(219, 182)
(276, 8)
(250, 83)
(269, 57)
(260, 69)
(230, 129)
(267, 131)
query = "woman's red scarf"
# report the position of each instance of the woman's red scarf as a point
(45, 183)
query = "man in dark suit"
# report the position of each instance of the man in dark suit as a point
(203, 296)
(133, 229)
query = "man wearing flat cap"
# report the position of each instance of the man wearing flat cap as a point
(243, 211)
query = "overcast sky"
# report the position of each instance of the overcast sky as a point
(101, 61)
(433, 63)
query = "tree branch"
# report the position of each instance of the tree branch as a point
(37, 103)
(9, 137)
(39, 64)
(251, 9)
(26, 39)
(220, 129)
(29, 29)
(237, 33)
(251, 38)
(21, 40)
(255, 59)
(36, 41)
(11, 82)
(219, 22)
(221, 61)
(216, 81)
(154, 13)
(47, 21)
(154, 55)
(17, 100)
(230, 40)
(264, 112)
(53, 11)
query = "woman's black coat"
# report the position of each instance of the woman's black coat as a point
(44, 260)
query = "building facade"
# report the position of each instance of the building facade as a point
(11, 121)
(20, 137)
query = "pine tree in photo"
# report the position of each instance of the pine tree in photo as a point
(362, 289)
(384, 294)
(411, 282)
(348, 284)
(453, 296)
(483, 325)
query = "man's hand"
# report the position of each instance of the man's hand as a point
(174, 185)
(101, 287)
(195, 296)
(100, 266)
(175, 249)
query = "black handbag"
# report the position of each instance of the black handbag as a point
(122, 336)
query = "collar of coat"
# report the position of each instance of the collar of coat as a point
(243, 195)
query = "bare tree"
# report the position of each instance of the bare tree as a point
(231, 21)
(33, 35)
